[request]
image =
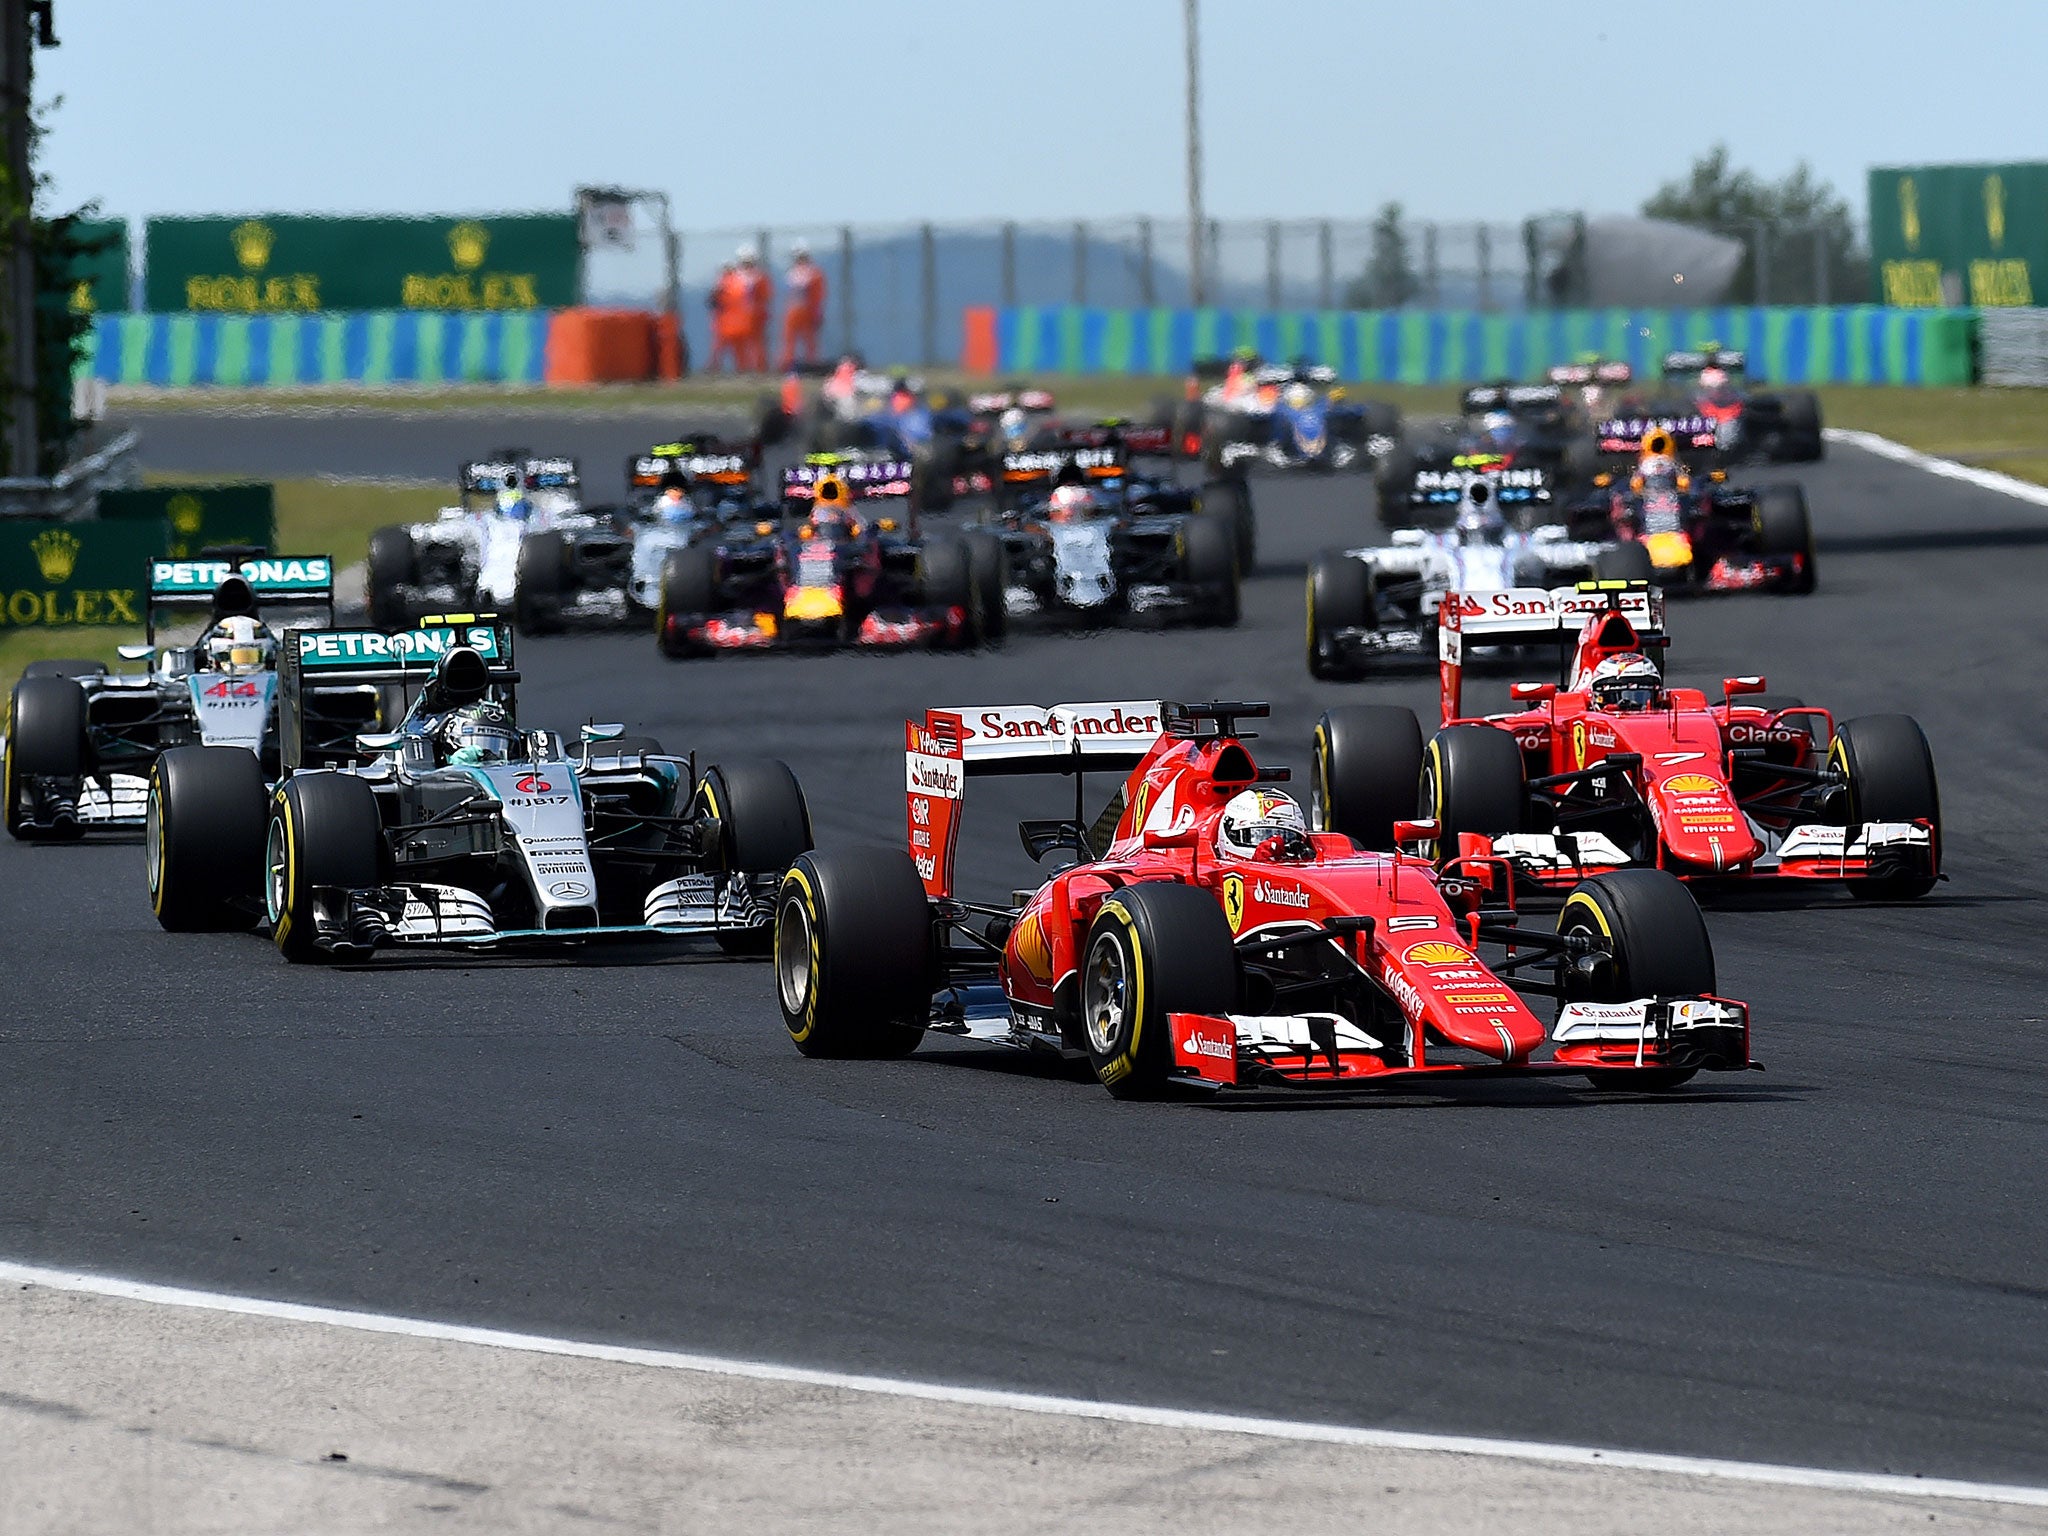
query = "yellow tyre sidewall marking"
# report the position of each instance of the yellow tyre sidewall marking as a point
(1312, 631)
(163, 827)
(798, 878)
(283, 930)
(1838, 756)
(1122, 1066)
(7, 771)
(1322, 772)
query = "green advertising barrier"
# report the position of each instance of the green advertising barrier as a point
(1959, 234)
(287, 263)
(197, 517)
(54, 573)
(100, 281)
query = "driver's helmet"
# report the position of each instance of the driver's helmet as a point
(673, 505)
(513, 502)
(1478, 518)
(1298, 396)
(1626, 684)
(1071, 504)
(480, 733)
(1253, 816)
(1015, 427)
(1713, 378)
(1657, 473)
(1498, 428)
(240, 645)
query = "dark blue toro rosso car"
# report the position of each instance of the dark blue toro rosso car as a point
(1291, 417)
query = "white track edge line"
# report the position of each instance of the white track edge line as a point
(1969, 474)
(1890, 1484)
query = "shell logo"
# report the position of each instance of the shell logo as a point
(1691, 784)
(1437, 952)
(1032, 950)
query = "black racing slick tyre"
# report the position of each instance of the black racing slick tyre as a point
(46, 738)
(324, 830)
(689, 591)
(1154, 949)
(1209, 563)
(1657, 943)
(1392, 482)
(854, 954)
(202, 838)
(1890, 772)
(1341, 596)
(1473, 781)
(393, 564)
(1627, 561)
(945, 577)
(1801, 439)
(764, 826)
(1783, 527)
(540, 578)
(1366, 773)
(1232, 499)
(68, 666)
(987, 570)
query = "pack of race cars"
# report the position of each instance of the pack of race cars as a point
(1510, 893)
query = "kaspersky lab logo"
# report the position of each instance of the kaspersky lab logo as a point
(56, 553)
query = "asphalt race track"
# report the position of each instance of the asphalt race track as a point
(1840, 1262)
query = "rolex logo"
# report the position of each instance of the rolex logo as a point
(186, 512)
(56, 553)
(1909, 212)
(467, 243)
(253, 239)
(1994, 209)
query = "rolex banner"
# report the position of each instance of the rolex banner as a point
(278, 263)
(1960, 234)
(200, 517)
(55, 573)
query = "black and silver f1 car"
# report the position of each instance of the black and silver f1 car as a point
(1779, 426)
(458, 826)
(1087, 538)
(81, 740)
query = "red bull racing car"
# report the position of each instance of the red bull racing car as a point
(1197, 933)
(1611, 769)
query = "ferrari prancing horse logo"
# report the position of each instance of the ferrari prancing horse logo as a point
(1233, 901)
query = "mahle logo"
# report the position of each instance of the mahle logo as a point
(467, 243)
(56, 553)
(186, 512)
(253, 240)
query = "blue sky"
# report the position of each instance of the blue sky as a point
(783, 112)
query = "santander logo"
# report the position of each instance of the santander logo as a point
(1199, 1044)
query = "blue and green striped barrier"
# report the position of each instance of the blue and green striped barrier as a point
(384, 346)
(1841, 344)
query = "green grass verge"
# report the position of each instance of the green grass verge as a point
(314, 517)
(2001, 429)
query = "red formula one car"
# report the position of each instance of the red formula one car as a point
(1196, 932)
(1610, 768)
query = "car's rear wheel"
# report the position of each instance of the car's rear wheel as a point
(1627, 561)
(1801, 439)
(1651, 928)
(764, 826)
(1473, 781)
(1890, 773)
(393, 564)
(1366, 773)
(1392, 482)
(1341, 596)
(541, 579)
(689, 592)
(1231, 499)
(202, 838)
(1783, 527)
(987, 568)
(1208, 562)
(46, 739)
(324, 830)
(1152, 950)
(854, 954)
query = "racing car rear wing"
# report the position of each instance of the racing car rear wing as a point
(954, 744)
(311, 660)
(1035, 402)
(1532, 615)
(483, 476)
(867, 479)
(1513, 486)
(295, 581)
(1481, 398)
(1622, 435)
(704, 460)
(1679, 365)
(1578, 375)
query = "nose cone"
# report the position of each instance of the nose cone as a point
(1701, 823)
